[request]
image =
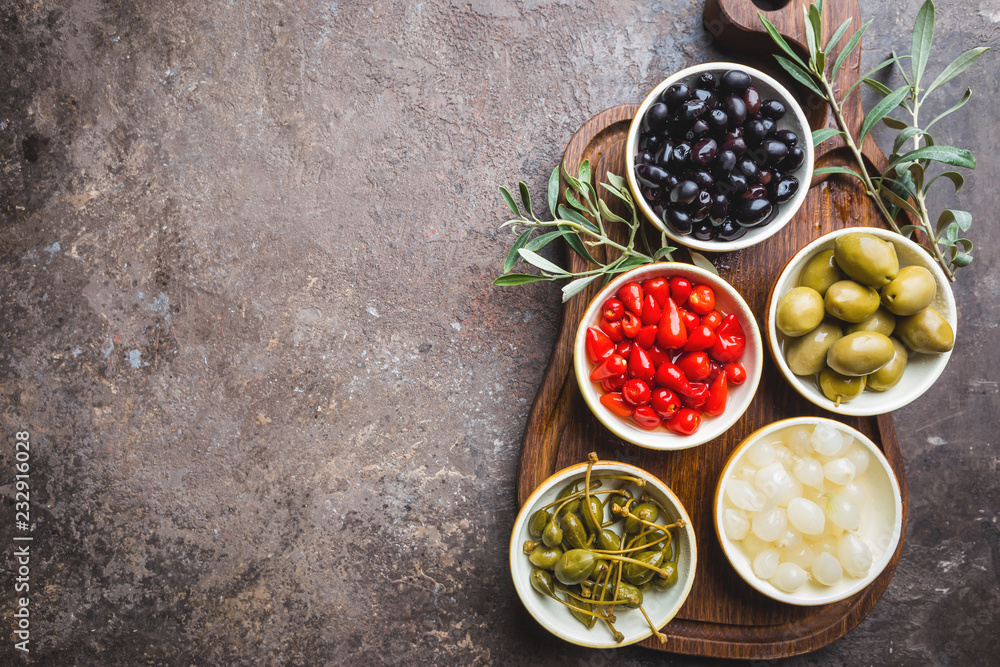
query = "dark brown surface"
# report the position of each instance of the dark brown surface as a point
(234, 188)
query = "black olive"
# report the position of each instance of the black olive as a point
(787, 137)
(697, 131)
(748, 168)
(752, 212)
(793, 160)
(718, 121)
(786, 188)
(704, 151)
(719, 208)
(730, 230)
(650, 194)
(754, 133)
(725, 160)
(736, 110)
(737, 146)
(679, 220)
(691, 111)
(679, 156)
(735, 81)
(650, 175)
(704, 230)
(737, 183)
(770, 127)
(706, 81)
(684, 193)
(703, 179)
(657, 116)
(755, 191)
(643, 157)
(774, 151)
(650, 142)
(752, 99)
(670, 182)
(772, 109)
(675, 95)
(764, 177)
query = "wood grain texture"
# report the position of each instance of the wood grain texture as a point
(724, 616)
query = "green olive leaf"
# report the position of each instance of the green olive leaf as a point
(799, 74)
(897, 200)
(780, 41)
(852, 44)
(540, 262)
(574, 202)
(608, 214)
(553, 193)
(835, 38)
(923, 35)
(962, 219)
(574, 242)
(525, 198)
(584, 173)
(823, 171)
(956, 157)
(566, 213)
(961, 103)
(956, 179)
(509, 201)
(824, 133)
(512, 279)
(882, 109)
(574, 287)
(703, 262)
(512, 255)
(895, 123)
(543, 240)
(957, 66)
(877, 86)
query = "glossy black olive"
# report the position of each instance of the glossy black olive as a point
(679, 156)
(719, 208)
(703, 179)
(770, 127)
(718, 121)
(650, 175)
(737, 183)
(675, 95)
(704, 151)
(679, 220)
(670, 182)
(737, 146)
(736, 110)
(684, 193)
(735, 81)
(793, 160)
(754, 133)
(706, 96)
(706, 81)
(752, 212)
(774, 151)
(691, 111)
(787, 137)
(765, 176)
(650, 142)
(656, 117)
(697, 131)
(704, 230)
(730, 230)
(725, 161)
(772, 109)
(748, 168)
(752, 99)
(643, 157)
(786, 188)
(650, 194)
(755, 191)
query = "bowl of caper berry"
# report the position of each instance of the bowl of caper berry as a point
(603, 554)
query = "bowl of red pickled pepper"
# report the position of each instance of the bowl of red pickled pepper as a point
(668, 356)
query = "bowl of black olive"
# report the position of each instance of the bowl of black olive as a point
(719, 157)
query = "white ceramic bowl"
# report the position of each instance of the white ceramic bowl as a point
(881, 519)
(661, 606)
(794, 120)
(727, 300)
(922, 370)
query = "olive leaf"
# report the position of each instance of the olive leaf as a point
(822, 134)
(923, 35)
(703, 262)
(957, 66)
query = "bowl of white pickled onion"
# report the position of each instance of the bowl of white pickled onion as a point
(808, 511)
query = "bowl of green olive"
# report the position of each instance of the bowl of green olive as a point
(603, 554)
(861, 321)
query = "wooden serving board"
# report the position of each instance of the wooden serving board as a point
(723, 616)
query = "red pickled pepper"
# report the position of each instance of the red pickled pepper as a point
(671, 333)
(599, 346)
(718, 394)
(730, 340)
(631, 295)
(659, 288)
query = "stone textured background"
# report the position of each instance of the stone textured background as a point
(276, 406)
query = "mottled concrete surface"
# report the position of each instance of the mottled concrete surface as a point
(275, 405)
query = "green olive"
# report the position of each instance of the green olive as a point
(850, 301)
(881, 321)
(573, 531)
(545, 557)
(638, 574)
(860, 353)
(537, 523)
(820, 272)
(840, 388)
(646, 511)
(866, 258)
(799, 311)
(927, 331)
(889, 375)
(575, 565)
(541, 581)
(806, 355)
(910, 292)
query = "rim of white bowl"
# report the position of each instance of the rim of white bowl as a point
(744, 569)
(869, 403)
(519, 534)
(803, 173)
(740, 396)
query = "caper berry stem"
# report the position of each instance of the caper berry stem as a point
(659, 635)
(625, 559)
(591, 460)
(575, 496)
